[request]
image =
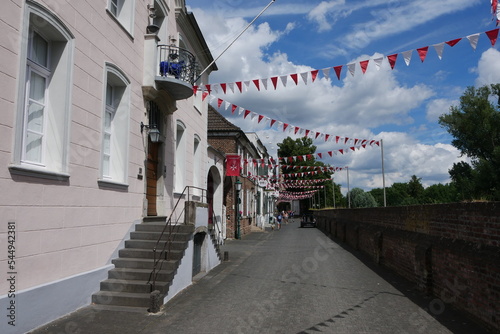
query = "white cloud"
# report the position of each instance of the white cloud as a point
(437, 107)
(321, 14)
(383, 18)
(352, 107)
(488, 68)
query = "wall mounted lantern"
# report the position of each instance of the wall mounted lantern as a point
(154, 133)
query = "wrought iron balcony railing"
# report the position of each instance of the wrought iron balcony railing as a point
(177, 63)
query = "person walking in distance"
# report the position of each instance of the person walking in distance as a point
(278, 221)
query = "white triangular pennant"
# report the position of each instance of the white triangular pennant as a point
(226, 105)
(352, 68)
(264, 82)
(247, 85)
(304, 77)
(407, 56)
(284, 79)
(231, 86)
(241, 110)
(439, 49)
(378, 62)
(326, 73)
(473, 40)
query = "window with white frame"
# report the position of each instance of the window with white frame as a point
(123, 11)
(180, 157)
(114, 156)
(197, 162)
(42, 136)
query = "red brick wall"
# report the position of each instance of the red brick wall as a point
(450, 251)
(228, 145)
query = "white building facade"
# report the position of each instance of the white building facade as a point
(83, 95)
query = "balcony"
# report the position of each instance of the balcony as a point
(176, 71)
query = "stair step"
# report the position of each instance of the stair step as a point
(120, 285)
(142, 263)
(151, 235)
(121, 298)
(150, 244)
(158, 227)
(140, 274)
(175, 254)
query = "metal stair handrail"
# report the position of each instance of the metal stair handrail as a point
(219, 238)
(165, 252)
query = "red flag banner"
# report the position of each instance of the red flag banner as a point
(422, 52)
(364, 65)
(392, 59)
(338, 70)
(453, 42)
(274, 81)
(233, 165)
(492, 35)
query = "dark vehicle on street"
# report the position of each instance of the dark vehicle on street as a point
(308, 219)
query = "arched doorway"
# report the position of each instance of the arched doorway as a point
(198, 240)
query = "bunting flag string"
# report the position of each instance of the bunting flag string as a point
(261, 84)
(292, 128)
(495, 10)
(323, 168)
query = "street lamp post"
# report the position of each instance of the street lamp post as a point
(238, 201)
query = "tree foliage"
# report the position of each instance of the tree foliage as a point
(475, 126)
(304, 147)
(414, 193)
(361, 199)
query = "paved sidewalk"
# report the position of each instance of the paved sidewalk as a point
(294, 280)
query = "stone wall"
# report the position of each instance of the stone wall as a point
(450, 251)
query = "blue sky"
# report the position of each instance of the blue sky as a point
(400, 106)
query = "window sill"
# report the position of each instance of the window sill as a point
(34, 172)
(109, 184)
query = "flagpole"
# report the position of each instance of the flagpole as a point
(383, 170)
(348, 190)
(333, 183)
(230, 44)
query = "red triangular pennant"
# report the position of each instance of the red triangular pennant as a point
(233, 108)
(314, 75)
(223, 86)
(219, 102)
(260, 118)
(492, 35)
(338, 70)
(274, 81)
(392, 59)
(247, 112)
(364, 65)
(422, 52)
(257, 84)
(295, 78)
(453, 42)
(239, 85)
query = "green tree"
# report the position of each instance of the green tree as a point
(361, 199)
(475, 126)
(439, 193)
(304, 147)
(415, 187)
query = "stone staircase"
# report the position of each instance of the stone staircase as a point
(127, 284)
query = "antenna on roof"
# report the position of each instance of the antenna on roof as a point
(230, 44)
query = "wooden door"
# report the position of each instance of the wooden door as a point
(152, 177)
